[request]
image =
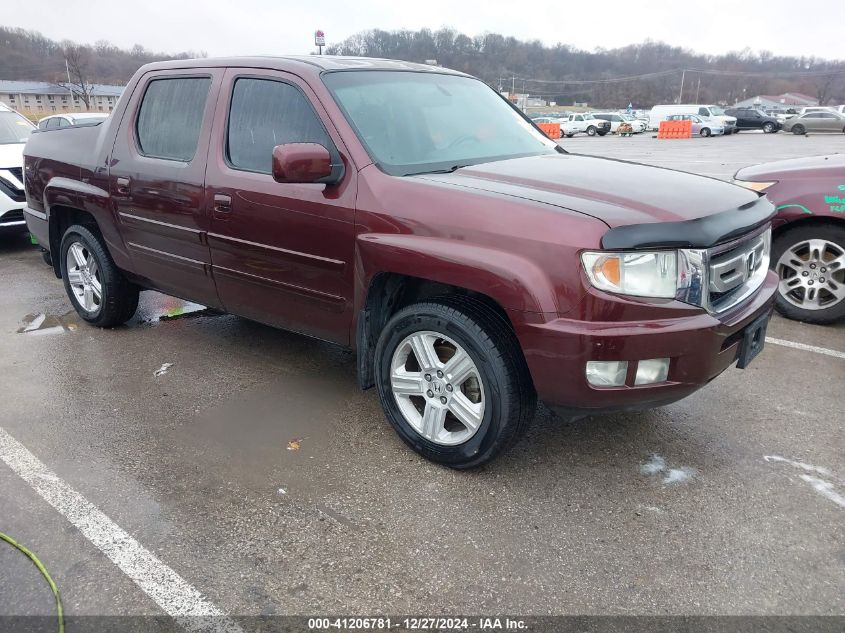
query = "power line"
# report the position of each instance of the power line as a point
(674, 71)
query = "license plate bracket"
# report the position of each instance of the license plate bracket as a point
(753, 339)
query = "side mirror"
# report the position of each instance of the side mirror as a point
(305, 163)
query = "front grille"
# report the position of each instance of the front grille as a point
(10, 179)
(16, 215)
(736, 273)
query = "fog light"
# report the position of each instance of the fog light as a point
(652, 371)
(607, 373)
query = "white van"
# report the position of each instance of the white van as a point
(660, 112)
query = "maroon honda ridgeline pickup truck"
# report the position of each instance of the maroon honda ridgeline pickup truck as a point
(412, 214)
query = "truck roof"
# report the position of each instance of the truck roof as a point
(314, 64)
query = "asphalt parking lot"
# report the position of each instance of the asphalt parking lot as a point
(255, 469)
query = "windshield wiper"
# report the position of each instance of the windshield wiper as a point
(447, 170)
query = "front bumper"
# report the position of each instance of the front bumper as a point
(700, 345)
(11, 213)
(36, 222)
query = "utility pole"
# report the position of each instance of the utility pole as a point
(513, 84)
(681, 93)
(697, 88)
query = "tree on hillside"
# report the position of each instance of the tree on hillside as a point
(77, 58)
(565, 74)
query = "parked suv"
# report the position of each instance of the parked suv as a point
(413, 214)
(14, 132)
(750, 119)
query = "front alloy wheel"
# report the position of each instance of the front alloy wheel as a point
(452, 380)
(437, 387)
(812, 274)
(811, 266)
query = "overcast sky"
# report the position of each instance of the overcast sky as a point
(242, 27)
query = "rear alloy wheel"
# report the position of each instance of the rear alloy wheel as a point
(769, 128)
(798, 129)
(591, 131)
(705, 131)
(810, 262)
(452, 381)
(99, 292)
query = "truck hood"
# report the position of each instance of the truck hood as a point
(815, 165)
(616, 192)
(11, 155)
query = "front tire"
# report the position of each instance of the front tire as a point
(99, 292)
(453, 382)
(812, 282)
(769, 128)
(705, 132)
(591, 131)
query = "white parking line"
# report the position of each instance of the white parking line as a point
(168, 589)
(806, 348)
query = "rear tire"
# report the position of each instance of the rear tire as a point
(502, 394)
(798, 129)
(99, 292)
(793, 254)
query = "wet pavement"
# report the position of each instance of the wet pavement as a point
(255, 468)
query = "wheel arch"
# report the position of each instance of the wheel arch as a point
(68, 202)
(389, 292)
(809, 220)
(393, 271)
(60, 218)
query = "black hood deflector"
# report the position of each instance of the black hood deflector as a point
(704, 232)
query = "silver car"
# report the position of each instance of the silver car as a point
(701, 125)
(815, 122)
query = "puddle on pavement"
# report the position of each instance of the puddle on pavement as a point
(276, 438)
(162, 309)
(40, 324)
(165, 308)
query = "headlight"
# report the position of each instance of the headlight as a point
(754, 186)
(638, 273)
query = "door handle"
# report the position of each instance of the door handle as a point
(222, 203)
(122, 186)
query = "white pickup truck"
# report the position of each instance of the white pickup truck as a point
(616, 119)
(588, 124)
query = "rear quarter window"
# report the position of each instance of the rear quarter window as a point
(170, 117)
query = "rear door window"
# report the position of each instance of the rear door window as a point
(170, 117)
(265, 113)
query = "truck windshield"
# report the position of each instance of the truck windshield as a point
(415, 122)
(14, 128)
